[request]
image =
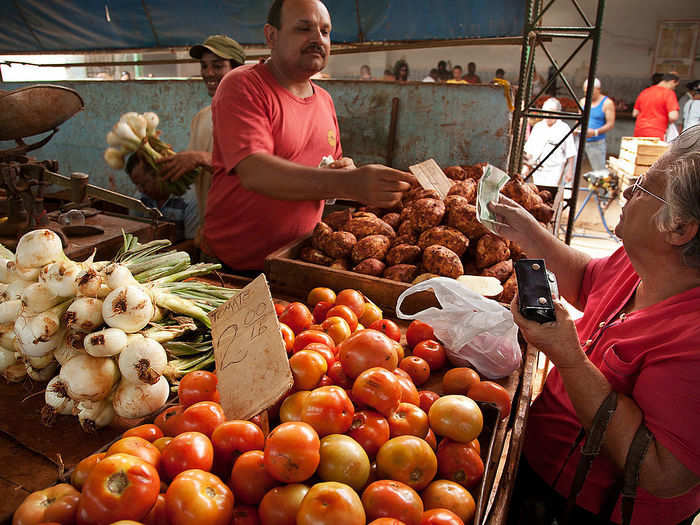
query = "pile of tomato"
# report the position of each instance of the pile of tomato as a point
(355, 440)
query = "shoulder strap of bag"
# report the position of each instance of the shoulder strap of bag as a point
(635, 455)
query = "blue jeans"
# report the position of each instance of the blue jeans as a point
(595, 151)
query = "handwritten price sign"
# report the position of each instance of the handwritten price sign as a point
(251, 360)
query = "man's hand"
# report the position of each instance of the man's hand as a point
(378, 186)
(558, 340)
(343, 163)
(517, 224)
(175, 166)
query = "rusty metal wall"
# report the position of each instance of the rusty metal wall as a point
(451, 123)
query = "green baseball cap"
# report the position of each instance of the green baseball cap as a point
(222, 46)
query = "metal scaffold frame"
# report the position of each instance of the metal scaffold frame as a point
(534, 36)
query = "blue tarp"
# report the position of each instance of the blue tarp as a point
(88, 25)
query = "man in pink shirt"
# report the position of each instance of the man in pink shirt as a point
(639, 336)
(656, 107)
(272, 129)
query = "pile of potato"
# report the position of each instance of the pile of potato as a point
(425, 236)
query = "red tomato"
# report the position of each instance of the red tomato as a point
(370, 429)
(195, 497)
(444, 494)
(409, 392)
(279, 308)
(189, 450)
(459, 462)
(431, 439)
(456, 417)
(353, 299)
(440, 517)
(320, 311)
(83, 468)
(203, 417)
(338, 375)
(169, 420)
(287, 338)
(136, 446)
(149, 432)
(418, 331)
(378, 388)
(281, 504)
(328, 410)
(158, 515)
(459, 380)
(392, 499)
(120, 487)
(232, 438)
(249, 479)
(297, 316)
(337, 327)
(331, 503)
(292, 406)
(491, 392)
(307, 369)
(292, 452)
(433, 352)
(324, 350)
(198, 386)
(58, 503)
(388, 327)
(325, 381)
(408, 420)
(307, 337)
(408, 459)
(427, 398)
(341, 310)
(320, 294)
(417, 368)
(160, 443)
(366, 349)
(245, 515)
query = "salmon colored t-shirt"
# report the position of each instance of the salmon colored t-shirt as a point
(654, 104)
(252, 114)
(651, 355)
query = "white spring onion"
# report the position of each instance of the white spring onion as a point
(136, 122)
(114, 158)
(60, 278)
(3, 290)
(15, 373)
(89, 378)
(15, 289)
(29, 344)
(133, 400)
(38, 248)
(152, 122)
(71, 346)
(89, 282)
(84, 314)
(106, 342)
(37, 298)
(113, 140)
(40, 362)
(10, 310)
(95, 414)
(57, 402)
(119, 275)
(5, 271)
(129, 308)
(42, 375)
(7, 334)
(7, 358)
(142, 361)
(26, 274)
(46, 324)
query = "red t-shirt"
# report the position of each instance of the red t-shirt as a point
(252, 114)
(654, 104)
(653, 356)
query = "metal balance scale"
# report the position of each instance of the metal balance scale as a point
(30, 111)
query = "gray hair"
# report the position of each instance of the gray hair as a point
(596, 84)
(683, 191)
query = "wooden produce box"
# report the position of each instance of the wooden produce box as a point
(637, 154)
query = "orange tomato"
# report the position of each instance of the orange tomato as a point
(307, 369)
(138, 447)
(409, 392)
(195, 497)
(490, 392)
(370, 314)
(392, 499)
(431, 439)
(343, 460)
(456, 417)
(157, 515)
(169, 420)
(320, 294)
(328, 410)
(149, 432)
(197, 386)
(353, 299)
(386, 521)
(408, 459)
(331, 503)
(427, 398)
(296, 316)
(418, 331)
(292, 405)
(245, 515)
(58, 503)
(203, 416)
(232, 438)
(292, 452)
(459, 380)
(440, 517)
(161, 443)
(459, 462)
(417, 368)
(307, 337)
(338, 375)
(370, 429)
(249, 480)
(398, 348)
(281, 505)
(287, 338)
(337, 327)
(323, 349)
(379, 389)
(408, 420)
(341, 310)
(388, 327)
(320, 311)
(367, 349)
(189, 450)
(402, 373)
(444, 494)
(83, 468)
(433, 352)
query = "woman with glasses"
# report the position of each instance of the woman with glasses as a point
(639, 337)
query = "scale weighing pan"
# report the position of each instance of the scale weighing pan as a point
(37, 109)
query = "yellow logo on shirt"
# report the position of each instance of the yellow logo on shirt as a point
(331, 138)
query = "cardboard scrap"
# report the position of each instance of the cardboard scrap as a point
(251, 361)
(431, 177)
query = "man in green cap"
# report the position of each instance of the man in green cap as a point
(217, 55)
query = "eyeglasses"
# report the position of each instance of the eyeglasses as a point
(638, 186)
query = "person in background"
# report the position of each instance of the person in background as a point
(656, 107)
(544, 137)
(656, 78)
(691, 109)
(388, 76)
(601, 120)
(444, 74)
(471, 75)
(401, 71)
(638, 336)
(433, 76)
(457, 76)
(273, 127)
(125, 76)
(499, 80)
(500, 74)
(365, 72)
(182, 210)
(217, 55)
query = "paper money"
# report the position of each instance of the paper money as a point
(490, 185)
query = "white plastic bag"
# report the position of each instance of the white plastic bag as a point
(475, 330)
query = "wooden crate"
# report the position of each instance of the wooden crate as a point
(637, 154)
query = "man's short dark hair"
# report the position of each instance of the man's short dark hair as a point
(656, 78)
(670, 76)
(442, 64)
(458, 67)
(434, 71)
(500, 72)
(274, 15)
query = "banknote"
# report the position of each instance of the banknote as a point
(490, 185)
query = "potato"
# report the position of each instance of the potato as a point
(320, 235)
(420, 193)
(338, 219)
(364, 214)
(546, 196)
(312, 255)
(510, 288)
(392, 219)
(363, 226)
(490, 249)
(543, 213)
(405, 228)
(462, 216)
(339, 244)
(445, 236)
(474, 172)
(442, 261)
(405, 238)
(401, 272)
(500, 271)
(370, 267)
(375, 211)
(371, 247)
(466, 188)
(426, 213)
(341, 264)
(516, 251)
(521, 193)
(455, 173)
(403, 254)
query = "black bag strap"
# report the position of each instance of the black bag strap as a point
(633, 462)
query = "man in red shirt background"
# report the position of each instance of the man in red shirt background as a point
(272, 129)
(656, 107)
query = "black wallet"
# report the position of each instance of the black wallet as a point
(534, 290)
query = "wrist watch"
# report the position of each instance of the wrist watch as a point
(596, 132)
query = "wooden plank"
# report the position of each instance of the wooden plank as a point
(11, 497)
